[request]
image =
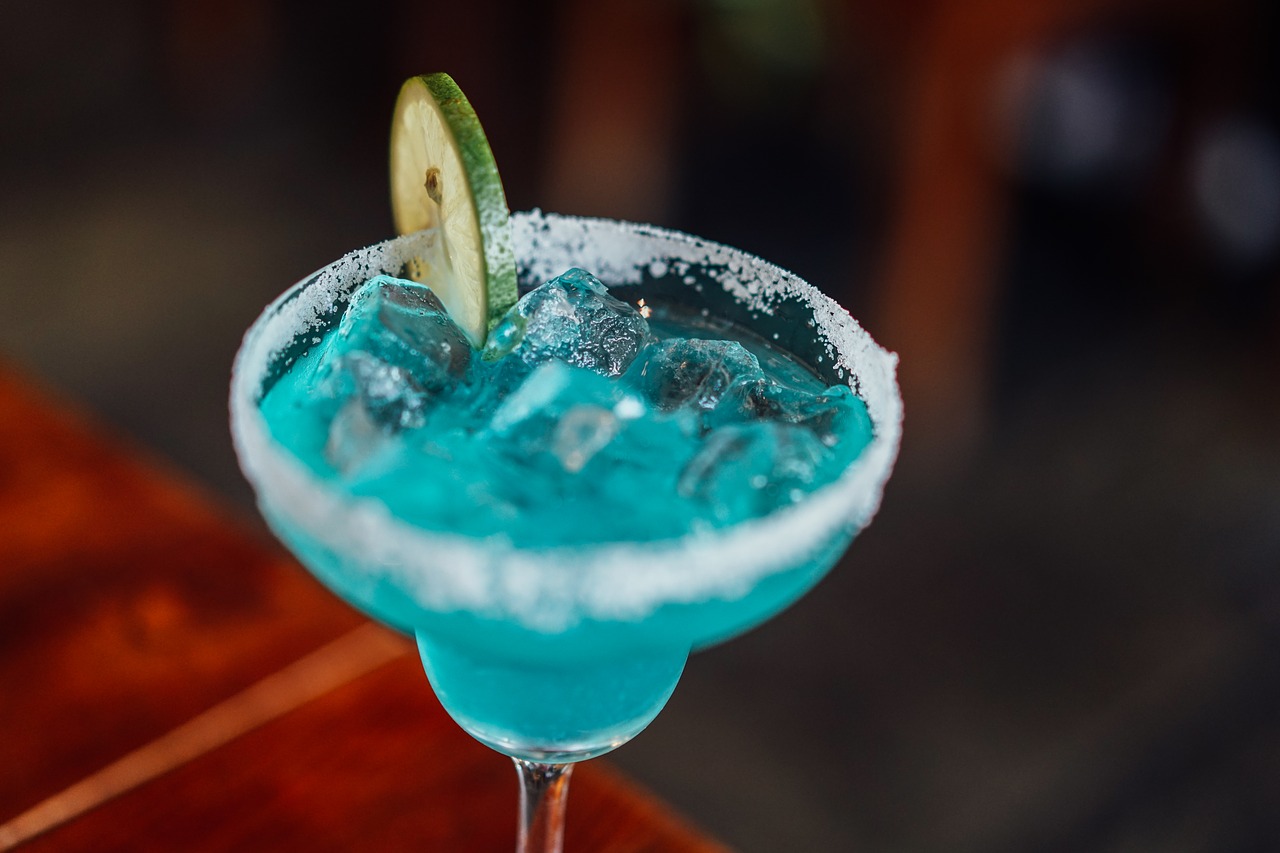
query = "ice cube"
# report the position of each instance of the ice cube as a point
(581, 433)
(746, 470)
(560, 418)
(397, 350)
(403, 324)
(690, 372)
(354, 438)
(836, 416)
(381, 400)
(536, 396)
(530, 413)
(391, 396)
(572, 319)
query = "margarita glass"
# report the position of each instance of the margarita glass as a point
(557, 654)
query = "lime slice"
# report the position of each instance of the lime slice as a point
(443, 177)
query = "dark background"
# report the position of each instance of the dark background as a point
(1061, 632)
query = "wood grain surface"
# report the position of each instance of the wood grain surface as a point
(171, 669)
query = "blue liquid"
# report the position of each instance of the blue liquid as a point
(572, 712)
(550, 445)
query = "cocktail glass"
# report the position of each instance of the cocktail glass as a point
(556, 655)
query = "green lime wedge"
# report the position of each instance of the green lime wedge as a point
(443, 178)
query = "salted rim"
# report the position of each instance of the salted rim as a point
(551, 589)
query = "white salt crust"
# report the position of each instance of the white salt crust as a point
(551, 589)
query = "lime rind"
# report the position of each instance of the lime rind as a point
(474, 243)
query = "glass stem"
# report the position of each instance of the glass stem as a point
(544, 790)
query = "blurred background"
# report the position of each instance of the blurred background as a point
(1062, 633)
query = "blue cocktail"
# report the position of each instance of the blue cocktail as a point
(558, 638)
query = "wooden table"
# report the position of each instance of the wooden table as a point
(172, 680)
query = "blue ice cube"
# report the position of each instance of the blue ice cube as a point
(577, 440)
(403, 324)
(397, 350)
(560, 420)
(836, 417)
(680, 372)
(391, 396)
(355, 438)
(572, 319)
(394, 355)
(746, 470)
(567, 412)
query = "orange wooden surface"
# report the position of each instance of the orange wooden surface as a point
(130, 604)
